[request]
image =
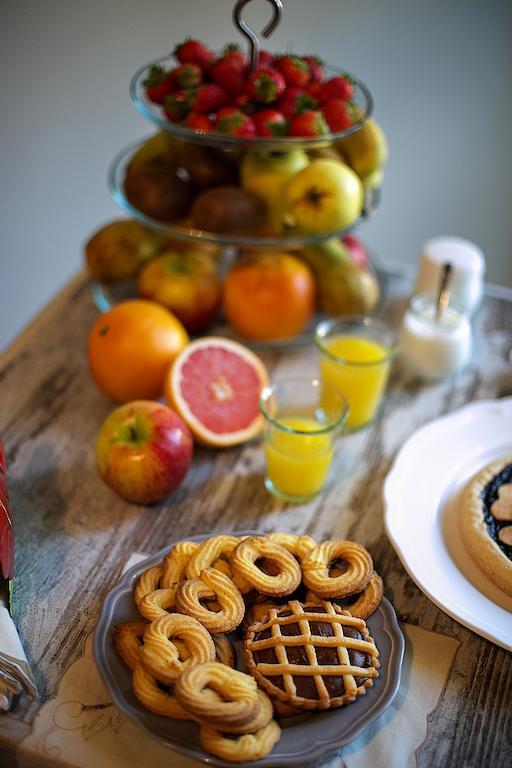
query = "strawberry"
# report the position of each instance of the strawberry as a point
(234, 122)
(177, 106)
(294, 70)
(188, 76)
(295, 101)
(336, 115)
(199, 123)
(266, 60)
(266, 85)
(159, 83)
(316, 68)
(229, 72)
(208, 98)
(246, 104)
(340, 87)
(194, 52)
(310, 123)
(314, 90)
(232, 51)
(270, 122)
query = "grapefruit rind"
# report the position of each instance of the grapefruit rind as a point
(173, 392)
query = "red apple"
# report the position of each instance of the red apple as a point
(143, 451)
(357, 251)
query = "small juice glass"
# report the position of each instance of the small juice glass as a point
(302, 420)
(355, 358)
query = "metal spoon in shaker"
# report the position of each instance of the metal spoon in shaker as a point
(444, 294)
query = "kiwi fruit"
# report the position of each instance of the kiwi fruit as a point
(229, 210)
(159, 191)
(206, 167)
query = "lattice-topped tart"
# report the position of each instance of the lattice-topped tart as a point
(486, 521)
(311, 656)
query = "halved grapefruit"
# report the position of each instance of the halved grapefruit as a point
(215, 384)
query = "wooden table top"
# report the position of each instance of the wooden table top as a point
(73, 535)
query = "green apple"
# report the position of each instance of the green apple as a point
(366, 150)
(266, 174)
(327, 196)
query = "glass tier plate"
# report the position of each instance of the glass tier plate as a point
(155, 114)
(106, 296)
(116, 178)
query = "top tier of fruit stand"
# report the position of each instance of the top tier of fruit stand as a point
(235, 146)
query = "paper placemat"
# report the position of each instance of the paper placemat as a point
(81, 727)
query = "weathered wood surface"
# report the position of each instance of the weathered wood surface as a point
(73, 534)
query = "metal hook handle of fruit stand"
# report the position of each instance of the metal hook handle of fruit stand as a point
(250, 34)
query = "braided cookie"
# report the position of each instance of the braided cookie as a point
(128, 641)
(215, 553)
(160, 656)
(153, 697)
(175, 563)
(148, 581)
(312, 656)
(248, 747)
(257, 548)
(298, 546)
(316, 568)
(362, 604)
(212, 584)
(238, 691)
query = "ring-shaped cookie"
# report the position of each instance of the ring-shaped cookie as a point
(148, 581)
(175, 563)
(238, 691)
(161, 657)
(209, 552)
(316, 568)
(298, 546)
(212, 584)
(224, 651)
(248, 747)
(256, 548)
(364, 603)
(151, 695)
(158, 603)
(128, 641)
(263, 715)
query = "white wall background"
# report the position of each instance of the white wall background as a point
(440, 74)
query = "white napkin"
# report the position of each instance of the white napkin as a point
(15, 673)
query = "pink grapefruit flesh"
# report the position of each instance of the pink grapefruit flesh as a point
(215, 385)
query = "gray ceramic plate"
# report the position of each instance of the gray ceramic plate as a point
(303, 739)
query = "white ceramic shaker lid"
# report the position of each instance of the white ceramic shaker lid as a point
(468, 268)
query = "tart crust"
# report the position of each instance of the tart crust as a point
(480, 544)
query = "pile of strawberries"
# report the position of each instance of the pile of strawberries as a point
(287, 95)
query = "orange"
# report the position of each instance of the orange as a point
(131, 347)
(269, 296)
(215, 384)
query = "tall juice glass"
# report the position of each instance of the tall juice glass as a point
(355, 358)
(302, 420)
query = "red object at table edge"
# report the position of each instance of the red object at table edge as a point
(6, 533)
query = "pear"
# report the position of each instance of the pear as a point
(344, 287)
(366, 150)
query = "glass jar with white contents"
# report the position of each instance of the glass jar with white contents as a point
(434, 345)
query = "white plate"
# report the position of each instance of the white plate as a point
(421, 494)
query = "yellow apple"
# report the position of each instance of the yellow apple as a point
(266, 174)
(327, 196)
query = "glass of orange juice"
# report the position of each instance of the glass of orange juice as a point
(355, 358)
(302, 420)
